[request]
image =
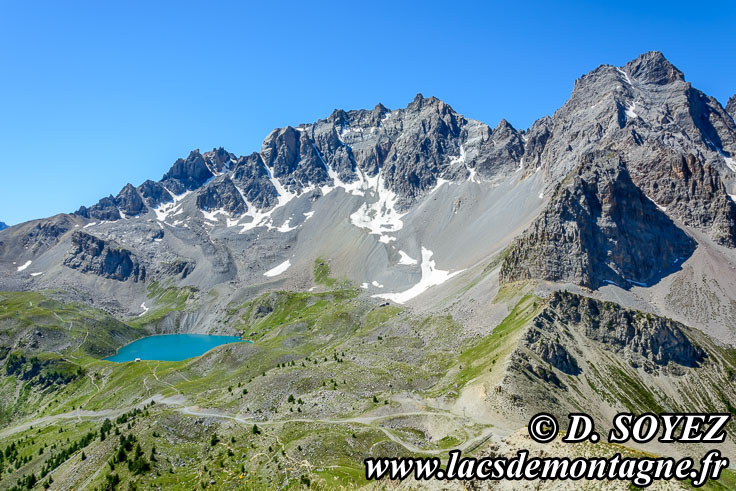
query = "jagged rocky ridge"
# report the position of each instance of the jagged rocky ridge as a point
(678, 145)
(411, 148)
(185, 175)
(3, 225)
(598, 228)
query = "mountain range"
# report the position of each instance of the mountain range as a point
(473, 274)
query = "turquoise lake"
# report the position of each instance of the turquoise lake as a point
(171, 347)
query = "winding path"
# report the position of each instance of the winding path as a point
(78, 414)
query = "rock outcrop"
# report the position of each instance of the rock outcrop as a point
(154, 193)
(37, 236)
(127, 203)
(90, 254)
(254, 179)
(187, 174)
(644, 340)
(106, 209)
(598, 228)
(222, 195)
(130, 202)
(581, 354)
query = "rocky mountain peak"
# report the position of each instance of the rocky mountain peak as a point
(129, 201)
(338, 117)
(731, 107)
(504, 128)
(653, 68)
(381, 109)
(219, 160)
(647, 113)
(420, 102)
(3, 226)
(187, 174)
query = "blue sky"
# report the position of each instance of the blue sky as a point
(95, 95)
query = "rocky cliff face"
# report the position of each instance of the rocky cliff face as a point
(106, 209)
(643, 340)
(731, 107)
(598, 228)
(154, 193)
(222, 195)
(90, 254)
(254, 179)
(411, 148)
(3, 226)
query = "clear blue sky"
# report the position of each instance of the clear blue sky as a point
(95, 95)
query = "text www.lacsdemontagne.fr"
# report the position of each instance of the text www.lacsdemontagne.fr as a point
(640, 471)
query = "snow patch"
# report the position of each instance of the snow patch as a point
(278, 269)
(37, 274)
(165, 210)
(406, 259)
(145, 310)
(25, 265)
(630, 112)
(376, 284)
(379, 217)
(90, 225)
(285, 226)
(729, 161)
(431, 276)
(460, 159)
(211, 216)
(626, 75)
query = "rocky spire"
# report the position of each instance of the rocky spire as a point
(731, 107)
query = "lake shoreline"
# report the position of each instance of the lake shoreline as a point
(183, 346)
